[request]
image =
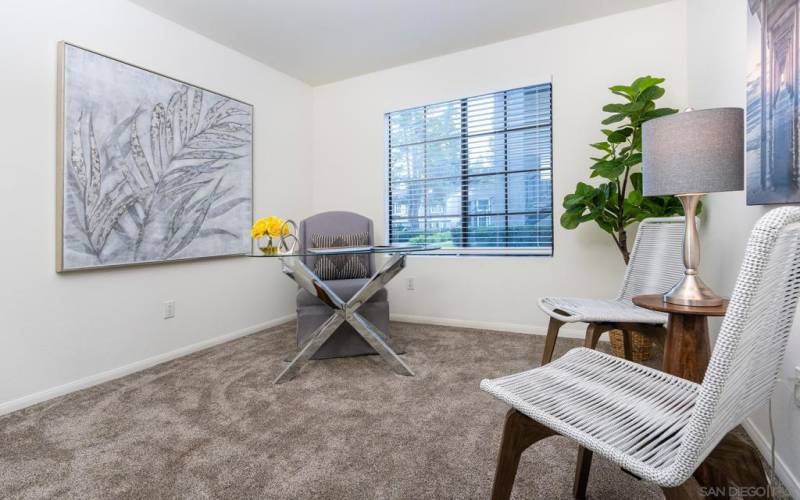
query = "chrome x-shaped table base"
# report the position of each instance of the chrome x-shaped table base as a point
(344, 311)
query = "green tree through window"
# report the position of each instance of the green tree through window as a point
(473, 174)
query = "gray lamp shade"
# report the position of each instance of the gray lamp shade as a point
(694, 152)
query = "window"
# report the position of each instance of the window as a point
(473, 175)
(482, 206)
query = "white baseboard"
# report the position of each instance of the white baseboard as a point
(99, 378)
(782, 470)
(573, 331)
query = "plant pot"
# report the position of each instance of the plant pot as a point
(641, 345)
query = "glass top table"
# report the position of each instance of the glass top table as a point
(295, 267)
(374, 249)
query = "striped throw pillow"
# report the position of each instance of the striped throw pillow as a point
(341, 267)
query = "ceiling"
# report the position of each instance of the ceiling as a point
(321, 41)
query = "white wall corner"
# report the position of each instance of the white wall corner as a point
(782, 469)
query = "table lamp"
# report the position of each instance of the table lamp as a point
(687, 155)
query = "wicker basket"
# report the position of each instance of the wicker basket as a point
(642, 345)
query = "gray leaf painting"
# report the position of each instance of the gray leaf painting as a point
(153, 169)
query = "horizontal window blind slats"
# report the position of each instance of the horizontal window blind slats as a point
(401, 183)
(423, 138)
(498, 144)
(473, 173)
(475, 169)
(434, 124)
(537, 91)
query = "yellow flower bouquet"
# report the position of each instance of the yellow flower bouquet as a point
(268, 228)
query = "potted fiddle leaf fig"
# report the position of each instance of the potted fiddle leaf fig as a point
(618, 202)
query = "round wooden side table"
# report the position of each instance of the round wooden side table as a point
(687, 347)
(687, 350)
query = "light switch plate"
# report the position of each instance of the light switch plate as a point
(169, 309)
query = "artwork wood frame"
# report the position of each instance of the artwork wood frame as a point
(150, 169)
(773, 80)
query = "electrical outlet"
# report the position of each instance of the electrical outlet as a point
(410, 284)
(797, 386)
(169, 309)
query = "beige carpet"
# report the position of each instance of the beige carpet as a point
(212, 425)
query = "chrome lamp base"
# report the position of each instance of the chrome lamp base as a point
(691, 291)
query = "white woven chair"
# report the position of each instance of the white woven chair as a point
(655, 266)
(655, 425)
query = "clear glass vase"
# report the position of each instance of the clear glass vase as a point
(266, 246)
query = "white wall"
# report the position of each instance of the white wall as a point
(58, 329)
(583, 61)
(717, 68)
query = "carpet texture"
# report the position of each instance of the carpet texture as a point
(212, 425)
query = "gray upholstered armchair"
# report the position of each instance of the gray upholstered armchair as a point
(320, 231)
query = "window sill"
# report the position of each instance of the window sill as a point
(498, 252)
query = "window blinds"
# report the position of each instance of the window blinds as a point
(473, 175)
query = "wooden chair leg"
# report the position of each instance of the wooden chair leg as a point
(627, 345)
(519, 433)
(550, 340)
(735, 461)
(686, 491)
(714, 480)
(582, 473)
(593, 333)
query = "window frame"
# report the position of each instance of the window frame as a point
(465, 176)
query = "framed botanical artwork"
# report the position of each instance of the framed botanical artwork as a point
(150, 169)
(773, 160)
